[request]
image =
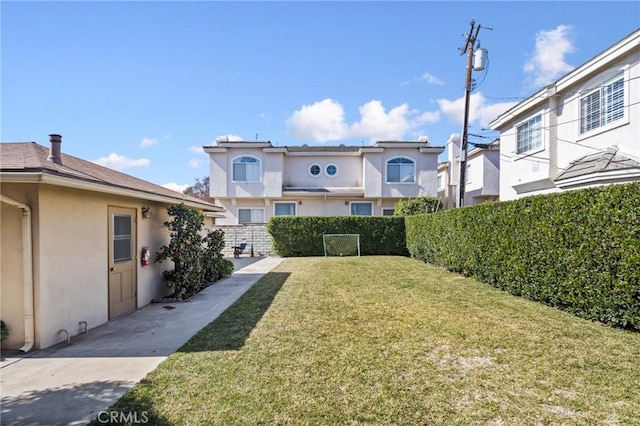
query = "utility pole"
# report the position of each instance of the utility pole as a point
(469, 50)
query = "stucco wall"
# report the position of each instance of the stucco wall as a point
(70, 247)
(11, 260)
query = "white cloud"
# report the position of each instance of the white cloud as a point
(430, 79)
(148, 142)
(196, 150)
(547, 61)
(194, 163)
(228, 138)
(175, 187)
(376, 123)
(119, 162)
(480, 111)
(324, 121)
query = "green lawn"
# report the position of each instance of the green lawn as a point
(391, 340)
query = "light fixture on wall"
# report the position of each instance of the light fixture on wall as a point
(300, 203)
(146, 212)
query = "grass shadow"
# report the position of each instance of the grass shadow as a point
(230, 330)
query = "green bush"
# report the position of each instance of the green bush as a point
(215, 266)
(578, 250)
(197, 261)
(4, 331)
(302, 235)
(420, 205)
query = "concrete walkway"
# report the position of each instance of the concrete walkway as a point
(70, 384)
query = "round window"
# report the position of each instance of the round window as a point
(331, 170)
(314, 170)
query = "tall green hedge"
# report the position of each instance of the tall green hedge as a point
(302, 235)
(578, 250)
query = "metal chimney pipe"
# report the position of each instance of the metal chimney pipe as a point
(54, 149)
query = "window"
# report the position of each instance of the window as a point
(387, 211)
(468, 174)
(331, 170)
(315, 169)
(440, 181)
(602, 106)
(285, 209)
(122, 237)
(401, 170)
(246, 169)
(250, 215)
(529, 135)
(361, 209)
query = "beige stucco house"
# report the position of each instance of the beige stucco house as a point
(72, 239)
(582, 130)
(256, 180)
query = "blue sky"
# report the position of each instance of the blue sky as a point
(142, 86)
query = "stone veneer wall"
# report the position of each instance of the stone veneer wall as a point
(252, 234)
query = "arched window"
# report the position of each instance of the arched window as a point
(401, 170)
(246, 169)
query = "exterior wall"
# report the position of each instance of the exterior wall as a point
(70, 258)
(11, 259)
(255, 236)
(361, 173)
(295, 171)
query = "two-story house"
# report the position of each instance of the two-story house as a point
(256, 180)
(583, 130)
(482, 177)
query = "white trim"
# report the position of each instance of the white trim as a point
(319, 171)
(386, 170)
(249, 208)
(295, 207)
(233, 163)
(331, 175)
(360, 202)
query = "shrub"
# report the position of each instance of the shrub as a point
(215, 266)
(578, 250)
(420, 205)
(302, 235)
(4, 331)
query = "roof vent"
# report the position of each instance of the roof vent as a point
(54, 149)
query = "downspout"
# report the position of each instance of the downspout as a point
(27, 262)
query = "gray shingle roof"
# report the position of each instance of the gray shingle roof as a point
(29, 157)
(604, 161)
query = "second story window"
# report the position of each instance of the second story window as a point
(602, 105)
(246, 169)
(331, 170)
(401, 170)
(529, 135)
(315, 169)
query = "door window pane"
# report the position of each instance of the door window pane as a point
(122, 249)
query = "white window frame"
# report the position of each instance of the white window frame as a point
(529, 148)
(440, 181)
(413, 173)
(387, 209)
(351, 203)
(609, 112)
(319, 169)
(326, 170)
(252, 209)
(295, 208)
(237, 159)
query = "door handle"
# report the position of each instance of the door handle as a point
(112, 269)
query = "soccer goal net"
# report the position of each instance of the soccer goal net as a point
(341, 244)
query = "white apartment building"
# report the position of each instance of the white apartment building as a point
(583, 130)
